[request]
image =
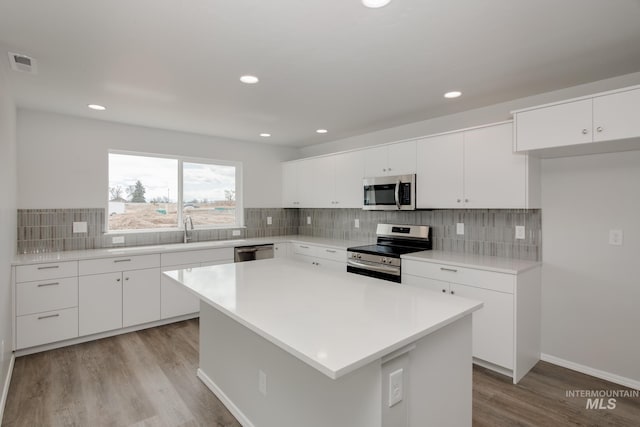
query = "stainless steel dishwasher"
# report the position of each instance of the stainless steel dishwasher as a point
(252, 253)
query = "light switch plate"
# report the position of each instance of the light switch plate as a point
(520, 232)
(262, 382)
(395, 387)
(80, 227)
(615, 237)
(356, 223)
(117, 240)
(269, 220)
(308, 220)
(460, 228)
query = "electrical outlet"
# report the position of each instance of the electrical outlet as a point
(80, 227)
(395, 387)
(520, 234)
(117, 240)
(356, 223)
(460, 228)
(262, 382)
(615, 237)
(269, 220)
(235, 232)
(308, 220)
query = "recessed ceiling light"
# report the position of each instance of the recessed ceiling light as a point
(452, 94)
(250, 80)
(322, 131)
(97, 107)
(265, 135)
(374, 4)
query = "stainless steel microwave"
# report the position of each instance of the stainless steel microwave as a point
(390, 193)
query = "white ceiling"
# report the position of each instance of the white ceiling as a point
(322, 63)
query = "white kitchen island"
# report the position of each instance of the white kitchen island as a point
(283, 344)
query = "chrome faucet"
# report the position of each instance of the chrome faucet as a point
(187, 236)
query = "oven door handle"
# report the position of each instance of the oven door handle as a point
(397, 194)
(374, 267)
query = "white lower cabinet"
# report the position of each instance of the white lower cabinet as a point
(118, 292)
(46, 303)
(321, 256)
(506, 331)
(281, 250)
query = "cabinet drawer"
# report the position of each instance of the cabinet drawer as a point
(199, 256)
(43, 328)
(110, 265)
(46, 295)
(332, 254)
(500, 282)
(304, 249)
(54, 270)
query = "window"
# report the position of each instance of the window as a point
(144, 191)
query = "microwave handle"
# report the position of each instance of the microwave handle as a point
(397, 195)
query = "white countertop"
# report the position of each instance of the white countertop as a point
(22, 259)
(483, 262)
(335, 322)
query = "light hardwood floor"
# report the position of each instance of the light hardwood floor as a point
(147, 378)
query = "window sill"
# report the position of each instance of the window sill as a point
(168, 230)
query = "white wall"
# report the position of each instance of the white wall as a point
(62, 160)
(8, 218)
(476, 117)
(591, 290)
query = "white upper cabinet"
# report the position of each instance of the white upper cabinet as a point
(439, 179)
(602, 117)
(348, 172)
(616, 116)
(564, 124)
(475, 169)
(494, 176)
(324, 182)
(393, 159)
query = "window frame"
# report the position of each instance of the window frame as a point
(181, 160)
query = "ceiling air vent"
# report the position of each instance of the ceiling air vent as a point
(23, 63)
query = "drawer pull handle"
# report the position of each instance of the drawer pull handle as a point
(331, 251)
(122, 260)
(49, 267)
(453, 270)
(304, 247)
(49, 316)
(42, 285)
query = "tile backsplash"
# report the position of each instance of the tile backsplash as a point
(487, 231)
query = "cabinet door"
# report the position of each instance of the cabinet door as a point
(426, 283)
(290, 185)
(492, 324)
(140, 296)
(402, 158)
(494, 176)
(348, 172)
(99, 303)
(306, 183)
(616, 116)
(281, 250)
(323, 179)
(175, 300)
(439, 180)
(375, 162)
(554, 126)
(331, 264)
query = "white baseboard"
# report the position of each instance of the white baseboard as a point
(235, 411)
(5, 389)
(608, 376)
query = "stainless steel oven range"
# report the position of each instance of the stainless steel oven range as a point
(382, 260)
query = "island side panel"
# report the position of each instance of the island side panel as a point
(441, 377)
(297, 395)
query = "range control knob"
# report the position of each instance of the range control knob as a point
(359, 256)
